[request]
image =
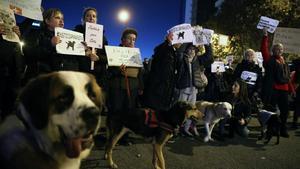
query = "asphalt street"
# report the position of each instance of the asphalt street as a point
(187, 153)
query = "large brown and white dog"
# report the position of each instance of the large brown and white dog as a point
(59, 114)
(148, 123)
(213, 113)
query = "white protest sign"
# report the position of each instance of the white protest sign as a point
(116, 56)
(27, 8)
(229, 59)
(217, 66)
(270, 23)
(70, 42)
(260, 60)
(249, 77)
(199, 38)
(202, 36)
(181, 33)
(94, 35)
(223, 40)
(7, 18)
(289, 37)
(208, 33)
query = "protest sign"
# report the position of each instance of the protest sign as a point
(202, 36)
(223, 40)
(26, 8)
(269, 23)
(181, 33)
(289, 37)
(7, 18)
(94, 35)
(229, 59)
(117, 56)
(70, 42)
(217, 66)
(249, 77)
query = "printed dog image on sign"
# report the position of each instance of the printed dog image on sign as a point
(70, 42)
(217, 66)
(249, 77)
(181, 33)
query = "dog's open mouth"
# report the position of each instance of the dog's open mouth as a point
(74, 146)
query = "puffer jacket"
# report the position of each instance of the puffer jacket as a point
(197, 64)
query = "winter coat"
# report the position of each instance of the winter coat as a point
(11, 61)
(197, 66)
(100, 66)
(160, 86)
(11, 69)
(48, 60)
(249, 67)
(273, 69)
(241, 109)
(117, 84)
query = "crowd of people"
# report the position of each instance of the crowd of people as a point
(176, 72)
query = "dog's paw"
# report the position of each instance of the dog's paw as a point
(113, 166)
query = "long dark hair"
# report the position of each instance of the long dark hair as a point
(243, 94)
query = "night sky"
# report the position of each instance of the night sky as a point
(151, 18)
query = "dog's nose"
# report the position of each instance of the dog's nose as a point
(90, 116)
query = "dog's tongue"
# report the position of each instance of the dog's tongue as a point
(73, 147)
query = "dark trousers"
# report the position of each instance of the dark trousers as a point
(280, 99)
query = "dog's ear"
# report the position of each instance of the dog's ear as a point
(100, 98)
(35, 98)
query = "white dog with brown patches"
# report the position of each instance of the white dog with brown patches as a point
(59, 113)
(213, 113)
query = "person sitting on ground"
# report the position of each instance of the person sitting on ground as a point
(241, 113)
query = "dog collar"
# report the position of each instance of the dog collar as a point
(42, 141)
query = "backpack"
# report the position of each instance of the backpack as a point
(200, 79)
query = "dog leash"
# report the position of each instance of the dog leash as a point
(127, 85)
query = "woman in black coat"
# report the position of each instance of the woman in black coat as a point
(160, 86)
(241, 109)
(99, 57)
(49, 59)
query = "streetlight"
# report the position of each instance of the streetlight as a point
(123, 15)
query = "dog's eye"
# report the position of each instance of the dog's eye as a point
(92, 95)
(90, 92)
(63, 99)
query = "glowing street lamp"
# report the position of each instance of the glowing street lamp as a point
(123, 16)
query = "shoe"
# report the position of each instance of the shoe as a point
(284, 134)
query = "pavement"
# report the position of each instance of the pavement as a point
(187, 153)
